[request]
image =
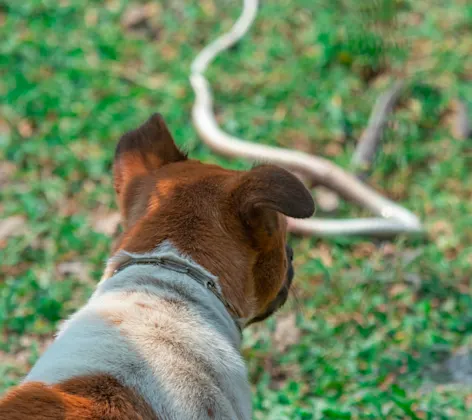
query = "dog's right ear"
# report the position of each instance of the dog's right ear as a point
(266, 190)
(138, 154)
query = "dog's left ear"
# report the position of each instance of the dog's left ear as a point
(144, 150)
(138, 154)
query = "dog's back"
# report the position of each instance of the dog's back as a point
(203, 254)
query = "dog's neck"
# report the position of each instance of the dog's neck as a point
(171, 278)
(146, 323)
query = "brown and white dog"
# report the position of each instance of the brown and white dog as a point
(203, 254)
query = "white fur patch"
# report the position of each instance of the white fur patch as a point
(160, 333)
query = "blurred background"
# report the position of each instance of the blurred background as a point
(376, 329)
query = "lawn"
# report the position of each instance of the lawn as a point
(376, 328)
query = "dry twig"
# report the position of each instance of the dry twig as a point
(372, 135)
(462, 124)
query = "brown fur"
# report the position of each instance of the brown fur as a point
(97, 397)
(229, 222)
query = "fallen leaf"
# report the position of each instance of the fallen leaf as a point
(286, 332)
(78, 269)
(364, 250)
(327, 200)
(387, 382)
(440, 228)
(208, 8)
(4, 128)
(12, 226)
(7, 169)
(137, 17)
(91, 17)
(323, 253)
(68, 207)
(280, 113)
(106, 223)
(333, 150)
(398, 289)
(294, 139)
(389, 249)
(25, 128)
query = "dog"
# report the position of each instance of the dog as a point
(203, 254)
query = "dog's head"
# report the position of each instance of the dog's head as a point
(230, 222)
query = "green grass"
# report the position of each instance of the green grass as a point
(375, 320)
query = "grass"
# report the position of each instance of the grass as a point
(374, 322)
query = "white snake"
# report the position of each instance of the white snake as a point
(391, 218)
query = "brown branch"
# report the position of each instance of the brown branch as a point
(462, 124)
(369, 142)
(371, 137)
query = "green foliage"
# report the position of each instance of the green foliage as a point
(374, 320)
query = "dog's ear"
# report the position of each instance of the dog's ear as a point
(144, 150)
(138, 154)
(268, 189)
